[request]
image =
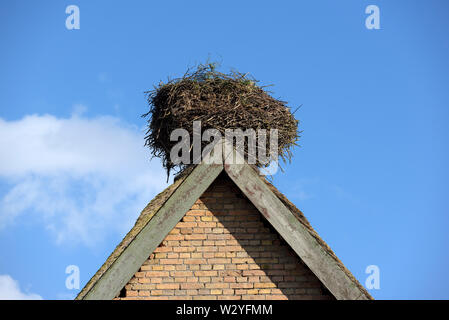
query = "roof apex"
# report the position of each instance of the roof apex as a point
(168, 207)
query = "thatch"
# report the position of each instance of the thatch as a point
(220, 101)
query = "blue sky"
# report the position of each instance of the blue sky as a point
(370, 174)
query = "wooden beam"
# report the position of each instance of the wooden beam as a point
(320, 262)
(149, 238)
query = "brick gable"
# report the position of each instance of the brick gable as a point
(223, 249)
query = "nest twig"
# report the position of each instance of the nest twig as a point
(221, 101)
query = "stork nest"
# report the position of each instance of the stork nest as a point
(220, 101)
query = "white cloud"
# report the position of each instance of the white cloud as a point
(80, 177)
(10, 290)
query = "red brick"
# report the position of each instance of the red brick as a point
(224, 249)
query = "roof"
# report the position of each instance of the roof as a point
(168, 207)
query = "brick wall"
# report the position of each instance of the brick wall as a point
(223, 249)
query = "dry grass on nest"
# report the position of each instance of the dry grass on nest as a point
(220, 101)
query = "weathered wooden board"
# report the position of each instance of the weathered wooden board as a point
(293, 232)
(129, 262)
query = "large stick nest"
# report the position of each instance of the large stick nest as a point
(220, 101)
